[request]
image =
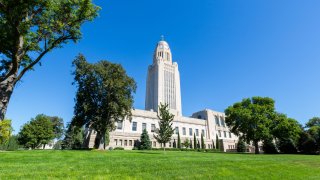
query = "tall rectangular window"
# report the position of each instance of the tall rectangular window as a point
(134, 126)
(144, 126)
(222, 122)
(130, 142)
(184, 131)
(217, 120)
(153, 127)
(119, 124)
(125, 142)
(190, 131)
(120, 142)
(202, 131)
(219, 133)
(177, 130)
(116, 141)
(230, 135)
(225, 134)
(197, 132)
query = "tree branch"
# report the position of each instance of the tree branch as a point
(53, 45)
(2, 6)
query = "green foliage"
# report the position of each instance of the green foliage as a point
(58, 127)
(118, 148)
(194, 141)
(5, 131)
(309, 141)
(73, 137)
(30, 29)
(179, 141)
(186, 143)
(11, 145)
(241, 146)
(286, 146)
(251, 118)
(315, 121)
(39, 131)
(145, 141)
(203, 146)
(307, 144)
(165, 131)
(269, 147)
(286, 128)
(217, 142)
(104, 96)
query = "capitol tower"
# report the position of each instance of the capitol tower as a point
(163, 81)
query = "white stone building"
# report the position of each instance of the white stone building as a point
(163, 86)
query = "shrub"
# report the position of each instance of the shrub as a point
(241, 146)
(118, 148)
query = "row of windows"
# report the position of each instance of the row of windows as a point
(120, 142)
(224, 133)
(184, 132)
(153, 128)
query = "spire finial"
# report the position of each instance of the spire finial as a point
(162, 37)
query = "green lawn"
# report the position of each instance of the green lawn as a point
(155, 165)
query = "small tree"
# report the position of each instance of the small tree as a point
(5, 131)
(145, 141)
(190, 144)
(165, 131)
(194, 141)
(186, 143)
(217, 142)
(202, 142)
(241, 146)
(179, 141)
(73, 137)
(198, 145)
(37, 132)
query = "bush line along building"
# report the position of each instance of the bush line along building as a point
(163, 86)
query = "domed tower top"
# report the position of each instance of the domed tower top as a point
(162, 52)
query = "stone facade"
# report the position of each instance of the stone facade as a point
(163, 86)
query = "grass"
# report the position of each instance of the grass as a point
(154, 165)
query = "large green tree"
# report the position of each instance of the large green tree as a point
(39, 131)
(29, 29)
(251, 118)
(164, 133)
(104, 96)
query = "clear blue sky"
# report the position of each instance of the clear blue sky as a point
(226, 51)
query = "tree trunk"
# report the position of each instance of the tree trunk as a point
(102, 141)
(256, 147)
(6, 89)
